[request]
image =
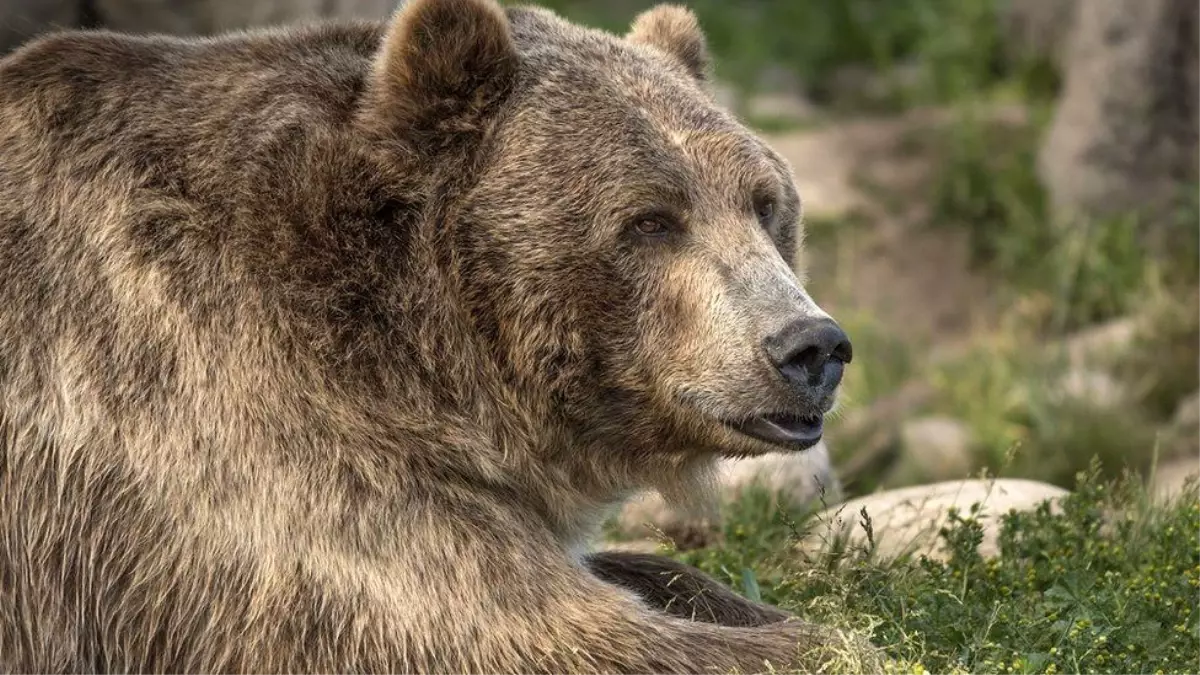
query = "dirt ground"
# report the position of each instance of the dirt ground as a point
(914, 279)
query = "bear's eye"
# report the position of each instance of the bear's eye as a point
(765, 210)
(652, 226)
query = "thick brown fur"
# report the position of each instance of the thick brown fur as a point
(327, 349)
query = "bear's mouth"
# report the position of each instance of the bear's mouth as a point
(796, 432)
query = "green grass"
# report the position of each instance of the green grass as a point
(987, 183)
(1023, 423)
(1106, 583)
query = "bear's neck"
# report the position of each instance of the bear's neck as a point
(437, 383)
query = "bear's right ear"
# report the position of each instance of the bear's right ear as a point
(443, 68)
(674, 30)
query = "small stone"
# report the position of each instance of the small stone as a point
(725, 95)
(632, 546)
(933, 448)
(1172, 476)
(1093, 387)
(1187, 413)
(1180, 438)
(1102, 343)
(784, 107)
(800, 479)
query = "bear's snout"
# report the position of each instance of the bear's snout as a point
(810, 353)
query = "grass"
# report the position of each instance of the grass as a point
(987, 183)
(1011, 400)
(1105, 583)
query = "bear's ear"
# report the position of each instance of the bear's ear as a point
(443, 68)
(674, 30)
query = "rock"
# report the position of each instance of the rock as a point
(873, 432)
(1187, 415)
(800, 479)
(1180, 440)
(1172, 476)
(1037, 29)
(823, 173)
(933, 448)
(1103, 343)
(631, 546)
(862, 85)
(779, 107)
(1124, 135)
(725, 95)
(1094, 387)
(908, 520)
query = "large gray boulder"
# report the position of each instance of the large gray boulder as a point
(1124, 136)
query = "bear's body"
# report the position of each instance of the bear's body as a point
(316, 354)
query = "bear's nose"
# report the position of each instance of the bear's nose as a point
(810, 352)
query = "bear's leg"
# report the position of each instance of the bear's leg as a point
(680, 590)
(588, 625)
(499, 594)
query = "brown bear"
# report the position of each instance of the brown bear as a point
(328, 348)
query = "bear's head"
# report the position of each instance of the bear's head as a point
(624, 243)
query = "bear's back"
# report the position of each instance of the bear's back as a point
(155, 186)
(83, 91)
(89, 118)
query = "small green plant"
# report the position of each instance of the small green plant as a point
(1161, 367)
(1028, 425)
(1104, 581)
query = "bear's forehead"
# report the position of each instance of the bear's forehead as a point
(574, 71)
(591, 99)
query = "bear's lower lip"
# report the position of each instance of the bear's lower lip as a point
(797, 432)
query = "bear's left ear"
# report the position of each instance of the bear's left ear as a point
(443, 68)
(676, 31)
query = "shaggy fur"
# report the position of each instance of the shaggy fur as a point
(327, 348)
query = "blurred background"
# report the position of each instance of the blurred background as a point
(1001, 203)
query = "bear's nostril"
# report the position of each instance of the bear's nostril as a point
(812, 360)
(844, 351)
